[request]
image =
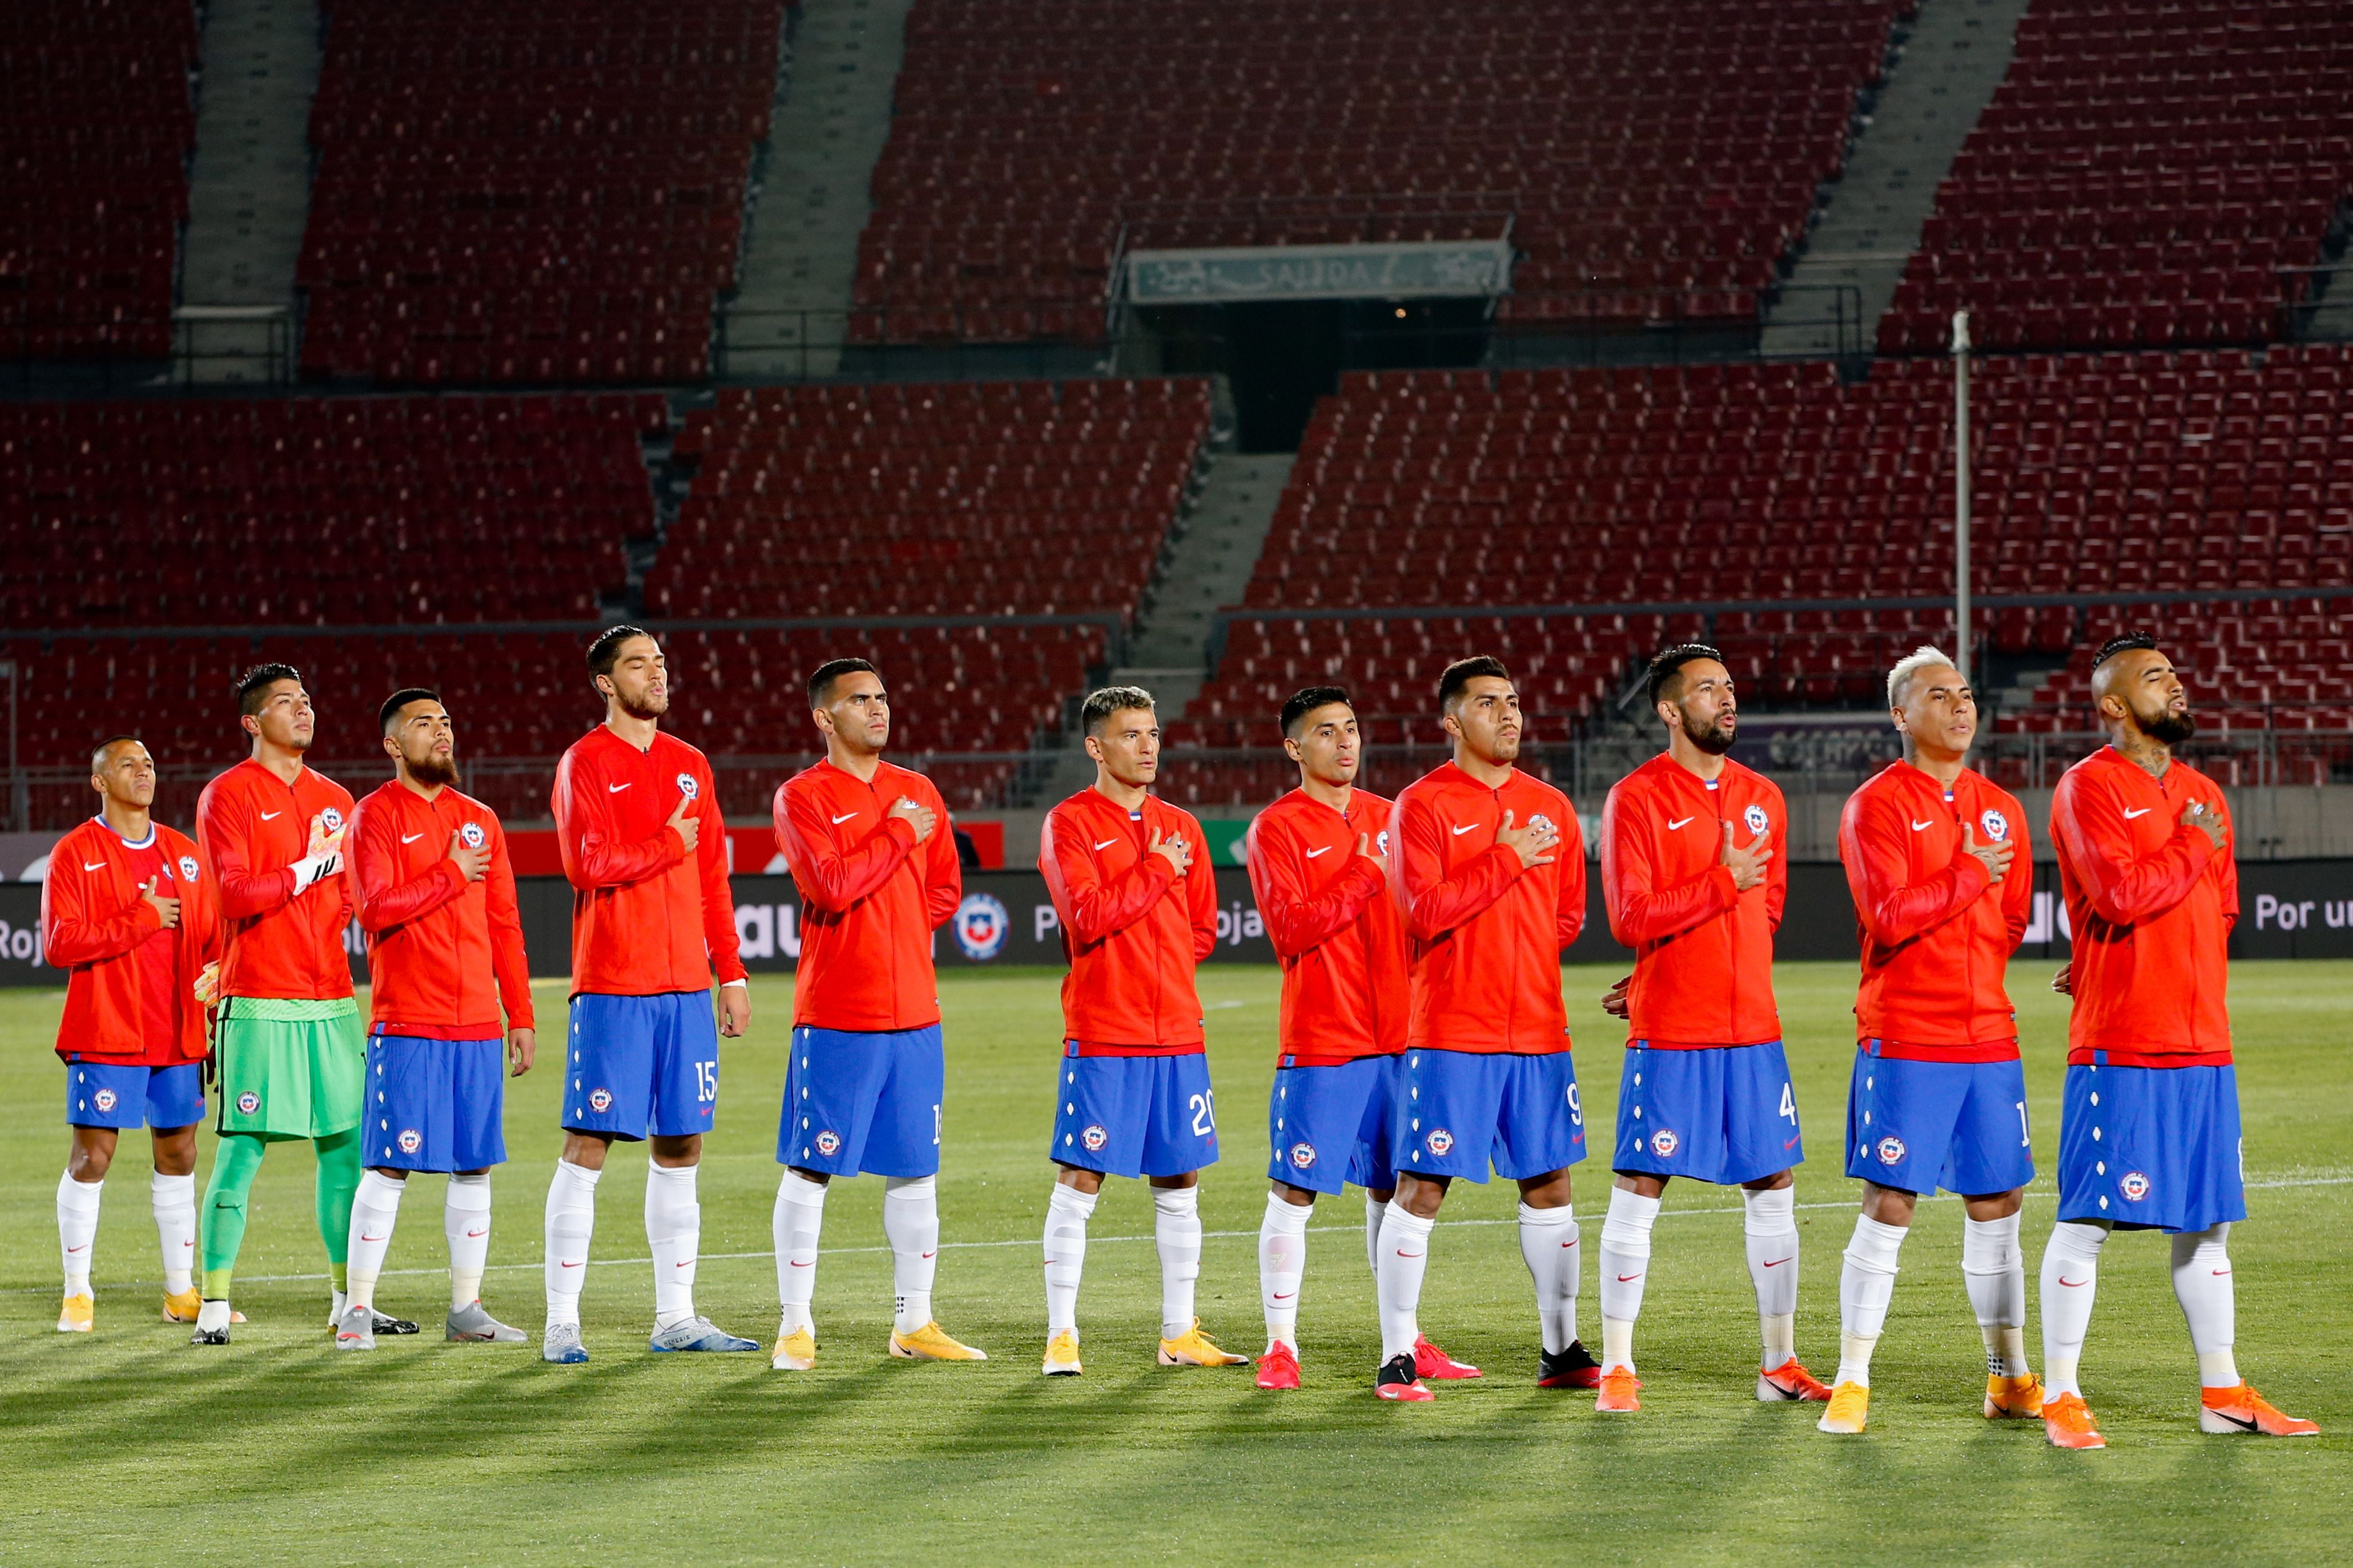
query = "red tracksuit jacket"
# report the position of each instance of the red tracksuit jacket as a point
(129, 984)
(1702, 951)
(253, 827)
(1132, 929)
(1335, 928)
(443, 953)
(870, 896)
(2151, 904)
(1484, 934)
(1937, 931)
(644, 919)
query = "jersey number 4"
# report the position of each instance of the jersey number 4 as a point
(1788, 1105)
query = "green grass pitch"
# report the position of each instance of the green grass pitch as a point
(130, 1445)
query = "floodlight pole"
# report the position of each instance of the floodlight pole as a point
(1961, 492)
(20, 807)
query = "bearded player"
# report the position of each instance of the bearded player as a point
(288, 1042)
(129, 914)
(1488, 872)
(1318, 864)
(869, 848)
(436, 896)
(1132, 1096)
(645, 849)
(1937, 860)
(2148, 1122)
(1695, 888)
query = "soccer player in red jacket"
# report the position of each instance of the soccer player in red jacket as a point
(1488, 872)
(1318, 863)
(1935, 857)
(645, 849)
(130, 913)
(1137, 913)
(869, 847)
(1695, 887)
(436, 896)
(2148, 1122)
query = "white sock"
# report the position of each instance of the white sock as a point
(794, 1224)
(1866, 1282)
(1397, 1283)
(1994, 1268)
(173, 1199)
(1772, 1227)
(571, 1220)
(1625, 1259)
(466, 1224)
(2202, 1284)
(2071, 1273)
(376, 1209)
(1374, 1209)
(674, 1234)
(910, 1224)
(78, 1230)
(1066, 1212)
(1176, 1228)
(1281, 1259)
(1552, 1247)
(212, 1315)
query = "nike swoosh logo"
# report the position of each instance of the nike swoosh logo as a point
(798, 1264)
(83, 1247)
(1106, 844)
(845, 816)
(2073, 1284)
(2144, 811)
(410, 838)
(572, 1266)
(687, 1264)
(1777, 1262)
(1284, 1295)
(272, 816)
(1412, 1254)
(1791, 1143)
(615, 789)
(476, 1235)
(2220, 1273)
(1627, 1279)
(2244, 1423)
(366, 1237)
(1686, 822)
(1464, 828)
(95, 865)
(1311, 854)
(929, 1255)
(1917, 826)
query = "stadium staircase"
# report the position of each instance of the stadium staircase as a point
(250, 187)
(1951, 61)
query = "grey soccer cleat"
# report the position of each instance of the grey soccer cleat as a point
(356, 1330)
(699, 1334)
(561, 1344)
(472, 1322)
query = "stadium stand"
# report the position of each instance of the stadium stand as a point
(546, 192)
(1639, 151)
(997, 499)
(96, 126)
(2141, 178)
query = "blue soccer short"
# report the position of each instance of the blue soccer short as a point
(1332, 1123)
(638, 1066)
(435, 1105)
(2154, 1148)
(1721, 1113)
(1461, 1111)
(1917, 1125)
(111, 1094)
(863, 1100)
(1134, 1116)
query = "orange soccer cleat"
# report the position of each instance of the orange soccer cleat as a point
(1397, 1382)
(2067, 1423)
(1791, 1380)
(1618, 1386)
(1278, 1367)
(2242, 1410)
(2013, 1398)
(1429, 1361)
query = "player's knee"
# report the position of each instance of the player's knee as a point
(1421, 1195)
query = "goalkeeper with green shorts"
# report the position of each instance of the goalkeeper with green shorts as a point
(289, 1041)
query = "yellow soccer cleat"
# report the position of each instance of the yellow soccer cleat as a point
(1850, 1408)
(2013, 1398)
(931, 1343)
(795, 1351)
(1063, 1354)
(1193, 1348)
(182, 1308)
(79, 1316)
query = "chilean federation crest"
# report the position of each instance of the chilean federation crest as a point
(980, 926)
(1756, 819)
(687, 786)
(188, 868)
(1994, 824)
(472, 835)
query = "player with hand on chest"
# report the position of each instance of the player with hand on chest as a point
(1696, 887)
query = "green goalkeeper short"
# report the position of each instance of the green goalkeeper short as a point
(290, 1068)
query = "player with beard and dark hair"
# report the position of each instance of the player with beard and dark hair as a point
(2148, 1122)
(1695, 888)
(645, 849)
(435, 895)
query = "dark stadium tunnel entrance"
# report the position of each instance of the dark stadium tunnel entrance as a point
(1282, 355)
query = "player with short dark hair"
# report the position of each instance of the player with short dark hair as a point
(1488, 872)
(2149, 1120)
(435, 893)
(130, 913)
(1938, 862)
(1132, 1095)
(645, 849)
(1695, 887)
(1318, 861)
(868, 844)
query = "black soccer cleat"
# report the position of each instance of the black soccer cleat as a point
(387, 1324)
(1572, 1368)
(209, 1337)
(1397, 1382)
